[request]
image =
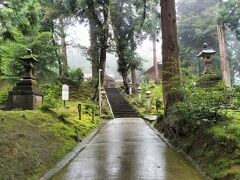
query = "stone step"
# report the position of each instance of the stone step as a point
(120, 107)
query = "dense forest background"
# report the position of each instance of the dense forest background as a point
(29, 24)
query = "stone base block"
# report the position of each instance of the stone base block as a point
(25, 96)
(23, 101)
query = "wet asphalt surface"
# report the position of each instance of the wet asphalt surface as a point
(127, 149)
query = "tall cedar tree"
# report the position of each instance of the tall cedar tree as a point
(172, 86)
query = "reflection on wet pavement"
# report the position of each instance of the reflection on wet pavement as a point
(127, 149)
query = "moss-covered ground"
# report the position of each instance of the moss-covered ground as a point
(227, 134)
(31, 142)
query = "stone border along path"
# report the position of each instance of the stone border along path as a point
(71, 155)
(127, 148)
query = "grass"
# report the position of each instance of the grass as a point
(31, 142)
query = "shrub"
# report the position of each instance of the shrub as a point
(50, 98)
(88, 108)
(235, 104)
(203, 108)
(3, 97)
(76, 76)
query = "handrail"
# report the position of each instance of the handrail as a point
(110, 107)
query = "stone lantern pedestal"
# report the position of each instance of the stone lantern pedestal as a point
(25, 95)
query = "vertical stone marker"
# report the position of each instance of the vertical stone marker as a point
(65, 93)
(148, 96)
(130, 88)
(25, 95)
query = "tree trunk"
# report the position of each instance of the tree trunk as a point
(126, 82)
(155, 63)
(98, 32)
(172, 85)
(64, 46)
(104, 39)
(224, 55)
(60, 69)
(134, 78)
(94, 51)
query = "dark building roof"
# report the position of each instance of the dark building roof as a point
(107, 77)
(151, 69)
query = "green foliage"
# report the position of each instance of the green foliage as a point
(127, 25)
(235, 103)
(51, 100)
(3, 97)
(197, 25)
(203, 107)
(88, 108)
(77, 76)
(229, 14)
(11, 51)
(156, 97)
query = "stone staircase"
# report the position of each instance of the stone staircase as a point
(120, 107)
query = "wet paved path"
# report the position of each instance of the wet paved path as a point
(127, 149)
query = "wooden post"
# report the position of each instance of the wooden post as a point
(93, 114)
(80, 111)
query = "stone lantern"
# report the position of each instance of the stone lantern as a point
(25, 95)
(148, 96)
(130, 88)
(205, 55)
(139, 93)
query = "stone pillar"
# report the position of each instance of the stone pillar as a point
(139, 94)
(130, 88)
(148, 96)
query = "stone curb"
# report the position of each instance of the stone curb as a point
(71, 155)
(179, 152)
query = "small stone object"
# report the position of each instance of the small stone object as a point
(148, 96)
(139, 93)
(130, 87)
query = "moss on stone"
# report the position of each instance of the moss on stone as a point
(209, 80)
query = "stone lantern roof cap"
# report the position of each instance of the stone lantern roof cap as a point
(29, 57)
(206, 51)
(148, 92)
